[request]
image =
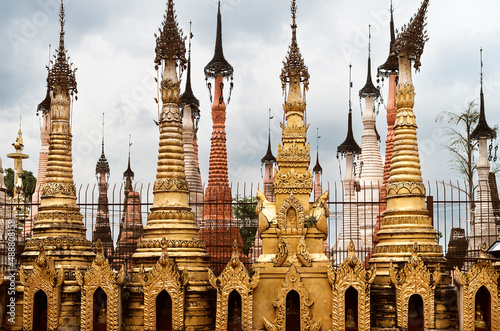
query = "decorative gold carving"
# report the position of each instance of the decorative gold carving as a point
(170, 184)
(294, 132)
(195, 243)
(100, 275)
(292, 182)
(59, 243)
(398, 220)
(164, 276)
(294, 155)
(481, 274)
(43, 277)
(234, 277)
(303, 253)
(51, 189)
(266, 211)
(405, 98)
(351, 273)
(283, 212)
(405, 188)
(170, 92)
(320, 211)
(414, 278)
(292, 282)
(59, 215)
(281, 253)
(406, 248)
(171, 215)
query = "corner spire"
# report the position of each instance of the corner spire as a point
(482, 129)
(369, 89)
(391, 65)
(219, 66)
(62, 75)
(170, 44)
(349, 145)
(188, 97)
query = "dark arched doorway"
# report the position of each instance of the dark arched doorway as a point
(351, 309)
(415, 313)
(292, 311)
(482, 315)
(234, 312)
(40, 311)
(100, 310)
(163, 312)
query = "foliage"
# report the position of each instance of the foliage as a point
(29, 182)
(311, 222)
(244, 211)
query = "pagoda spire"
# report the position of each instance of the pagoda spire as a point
(482, 129)
(102, 229)
(483, 226)
(406, 225)
(391, 65)
(170, 220)
(190, 119)
(128, 175)
(349, 145)
(370, 168)
(268, 161)
(349, 230)
(219, 230)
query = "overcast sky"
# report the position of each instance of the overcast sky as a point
(112, 44)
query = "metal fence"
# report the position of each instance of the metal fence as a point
(452, 216)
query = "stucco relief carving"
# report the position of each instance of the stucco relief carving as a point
(401, 188)
(481, 274)
(51, 189)
(101, 275)
(169, 184)
(414, 278)
(163, 276)
(43, 277)
(292, 282)
(292, 182)
(351, 273)
(234, 277)
(284, 213)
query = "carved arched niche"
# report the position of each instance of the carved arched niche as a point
(291, 214)
(100, 275)
(414, 278)
(234, 277)
(351, 274)
(43, 277)
(481, 274)
(163, 276)
(292, 282)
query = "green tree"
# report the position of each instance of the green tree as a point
(244, 211)
(29, 182)
(460, 145)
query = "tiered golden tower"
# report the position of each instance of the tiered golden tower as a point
(171, 224)
(58, 246)
(292, 262)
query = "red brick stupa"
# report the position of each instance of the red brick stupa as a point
(219, 229)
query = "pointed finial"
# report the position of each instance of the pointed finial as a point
(269, 157)
(350, 87)
(294, 16)
(391, 65)
(218, 65)
(482, 129)
(369, 89)
(349, 145)
(317, 166)
(170, 44)
(102, 132)
(188, 97)
(129, 174)
(481, 74)
(62, 74)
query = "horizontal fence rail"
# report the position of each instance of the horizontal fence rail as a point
(453, 215)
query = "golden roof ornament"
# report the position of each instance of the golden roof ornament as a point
(62, 74)
(413, 36)
(294, 70)
(170, 44)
